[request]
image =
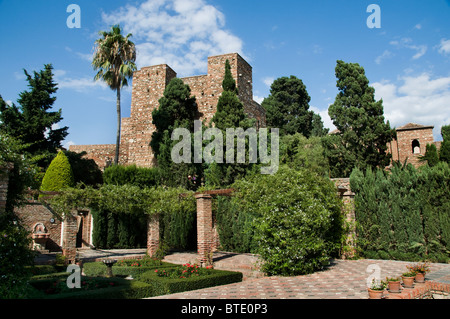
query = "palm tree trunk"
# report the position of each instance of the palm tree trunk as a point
(119, 117)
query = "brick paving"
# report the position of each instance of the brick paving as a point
(343, 279)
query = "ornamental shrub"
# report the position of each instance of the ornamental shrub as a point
(298, 224)
(59, 174)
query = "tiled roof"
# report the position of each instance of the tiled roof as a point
(413, 126)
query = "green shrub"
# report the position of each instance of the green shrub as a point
(298, 222)
(124, 268)
(165, 285)
(59, 174)
(108, 288)
(403, 214)
(132, 175)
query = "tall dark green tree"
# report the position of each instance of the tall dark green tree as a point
(177, 109)
(33, 122)
(363, 134)
(444, 152)
(230, 110)
(230, 114)
(287, 107)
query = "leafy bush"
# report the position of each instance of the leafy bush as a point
(403, 214)
(59, 174)
(131, 175)
(298, 224)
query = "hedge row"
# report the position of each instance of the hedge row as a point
(147, 283)
(164, 286)
(403, 214)
(99, 269)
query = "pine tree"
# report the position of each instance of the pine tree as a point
(287, 108)
(33, 122)
(363, 133)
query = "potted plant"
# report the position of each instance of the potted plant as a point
(408, 279)
(376, 289)
(393, 284)
(420, 270)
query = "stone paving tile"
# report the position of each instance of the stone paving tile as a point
(344, 279)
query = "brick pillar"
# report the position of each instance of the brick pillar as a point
(205, 238)
(152, 234)
(4, 182)
(69, 246)
(348, 211)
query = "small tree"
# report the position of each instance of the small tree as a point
(431, 155)
(59, 174)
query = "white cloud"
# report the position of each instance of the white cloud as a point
(180, 33)
(268, 81)
(385, 55)
(407, 43)
(417, 99)
(326, 119)
(79, 85)
(67, 144)
(418, 26)
(444, 46)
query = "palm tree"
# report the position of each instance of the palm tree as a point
(114, 58)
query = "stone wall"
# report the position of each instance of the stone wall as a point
(148, 87)
(103, 155)
(411, 143)
(35, 212)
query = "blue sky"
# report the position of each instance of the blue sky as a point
(407, 60)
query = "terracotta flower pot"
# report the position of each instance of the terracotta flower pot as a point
(375, 294)
(408, 282)
(394, 286)
(420, 277)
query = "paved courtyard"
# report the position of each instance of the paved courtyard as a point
(343, 279)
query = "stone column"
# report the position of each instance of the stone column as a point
(152, 234)
(69, 247)
(205, 240)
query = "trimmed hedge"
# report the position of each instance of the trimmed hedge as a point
(59, 174)
(124, 289)
(403, 214)
(99, 269)
(164, 286)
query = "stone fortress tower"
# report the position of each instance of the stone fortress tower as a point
(148, 87)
